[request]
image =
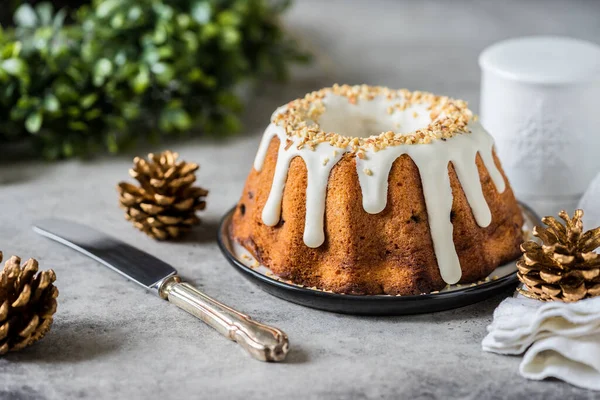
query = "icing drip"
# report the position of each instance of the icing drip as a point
(318, 165)
(271, 131)
(373, 171)
(432, 161)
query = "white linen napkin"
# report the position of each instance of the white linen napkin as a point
(590, 203)
(560, 340)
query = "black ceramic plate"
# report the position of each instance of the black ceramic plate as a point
(455, 296)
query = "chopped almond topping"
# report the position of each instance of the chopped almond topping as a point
(288, 144)
(301, 118)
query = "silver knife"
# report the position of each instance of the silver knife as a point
(262, 342)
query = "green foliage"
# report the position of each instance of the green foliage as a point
(127, 70)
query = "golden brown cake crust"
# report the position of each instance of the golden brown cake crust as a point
(386, 253)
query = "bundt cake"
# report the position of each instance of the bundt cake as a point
(332, 204)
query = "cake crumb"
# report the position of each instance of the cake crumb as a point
(368, 172)
(325, 160)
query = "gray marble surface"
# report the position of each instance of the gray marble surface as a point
(112, 340)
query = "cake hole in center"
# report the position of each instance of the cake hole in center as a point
(367, 118)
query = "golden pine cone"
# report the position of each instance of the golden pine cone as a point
(164, 205)
(564, 267)
(28, 302)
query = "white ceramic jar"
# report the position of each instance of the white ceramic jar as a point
(540, 99)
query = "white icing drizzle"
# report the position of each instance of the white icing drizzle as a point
(271, 131)
(316, 190)
(373, 173)
(263, 147)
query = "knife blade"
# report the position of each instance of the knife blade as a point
(263, 342)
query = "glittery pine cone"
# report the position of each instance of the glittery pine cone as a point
(27, 303)
(164, 205)
(564, 267)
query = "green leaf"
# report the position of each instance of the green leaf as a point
(134, 13)
(151, 55)
(78, 126)
(64, 92)
(111, 143)
(73, 111)
(92, 114)
(117, 21)
(14, 66)
(59, 19)
(74, 73)
(9, 89)
(184, 21)
(88, 100)
(127, 69)
(26, 102)
(15, 49)
(141, 81)
(165, 52)
(210, 30)
(201, 12)
(231, 124)
(164, 121)
(181, 119)
(51, 103)
(164, 11)
(160, 35)
(229, 100)
(18, 114)
(165, 73)
(33, 123)
(131, 111)
(44, 12)
(25, 16)
(106, 7)
(67, 149)
(120, 58)
(230, 36)
(102, 69)
(191, 41)
(228, 18)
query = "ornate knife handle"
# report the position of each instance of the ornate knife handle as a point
(263, 342)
